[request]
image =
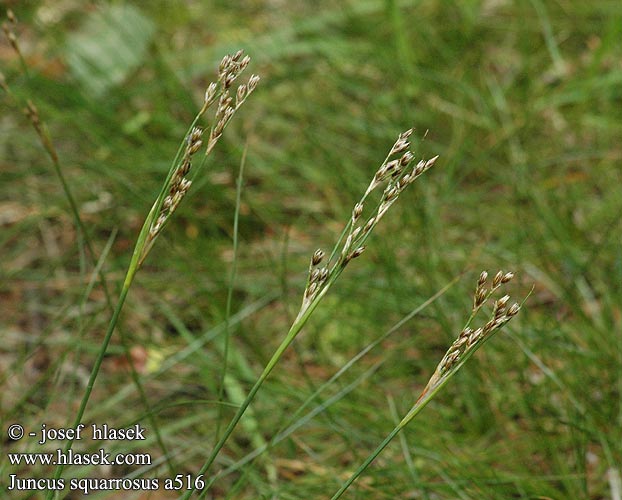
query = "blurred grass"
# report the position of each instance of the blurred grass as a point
(523, 103)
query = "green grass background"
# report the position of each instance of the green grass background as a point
(523, 103)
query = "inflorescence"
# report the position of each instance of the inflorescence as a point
(219, 93)
(471, 339)
(397, 175)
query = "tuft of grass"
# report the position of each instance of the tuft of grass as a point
(523, 103)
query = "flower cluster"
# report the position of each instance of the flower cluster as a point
(396, 173)
(219, 93)
(471, 339)
(501, 314)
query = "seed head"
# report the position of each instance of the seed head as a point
(391, 193)
(502, 302)
(240, 95)
(210, 94)
(474, 337)
(314, 276)
(392, 167)
(370, 223)
(225, 63)
(499, 308)
(252, 83)
(402, 143)
(323, 274)
(311, 289)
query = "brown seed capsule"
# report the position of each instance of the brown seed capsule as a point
(406, 158)
(311, 289)
(475, 337)
(252, 83)
(466, 332)
(460, 341)
(240, 94)
(323, 274)
(418, 169)
(392, 166)
(194, 147)
(496, 281)
(502, 302)
(507, 277)
(356, 253)
(314, 276)
(317, 257)
(195, 134)
(357, 211)
(400, 146)
(451, 359)
(224, 64)
(403, 182)
(391, 193)
(430, 162)
(480, 297)
(229, 79)
(224, 102)
(369, 224)
(499, 308)
(490, 326)
(210, 93)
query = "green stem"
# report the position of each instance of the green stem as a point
(129, 278)
(49, 147)
(414, 411)
(93, 376)
(367, 462)
(291, 335)
(225, 355)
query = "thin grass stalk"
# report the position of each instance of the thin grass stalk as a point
(406, 452)
(225, 355)
(291, 335)
(83, 236)
(131, 272)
